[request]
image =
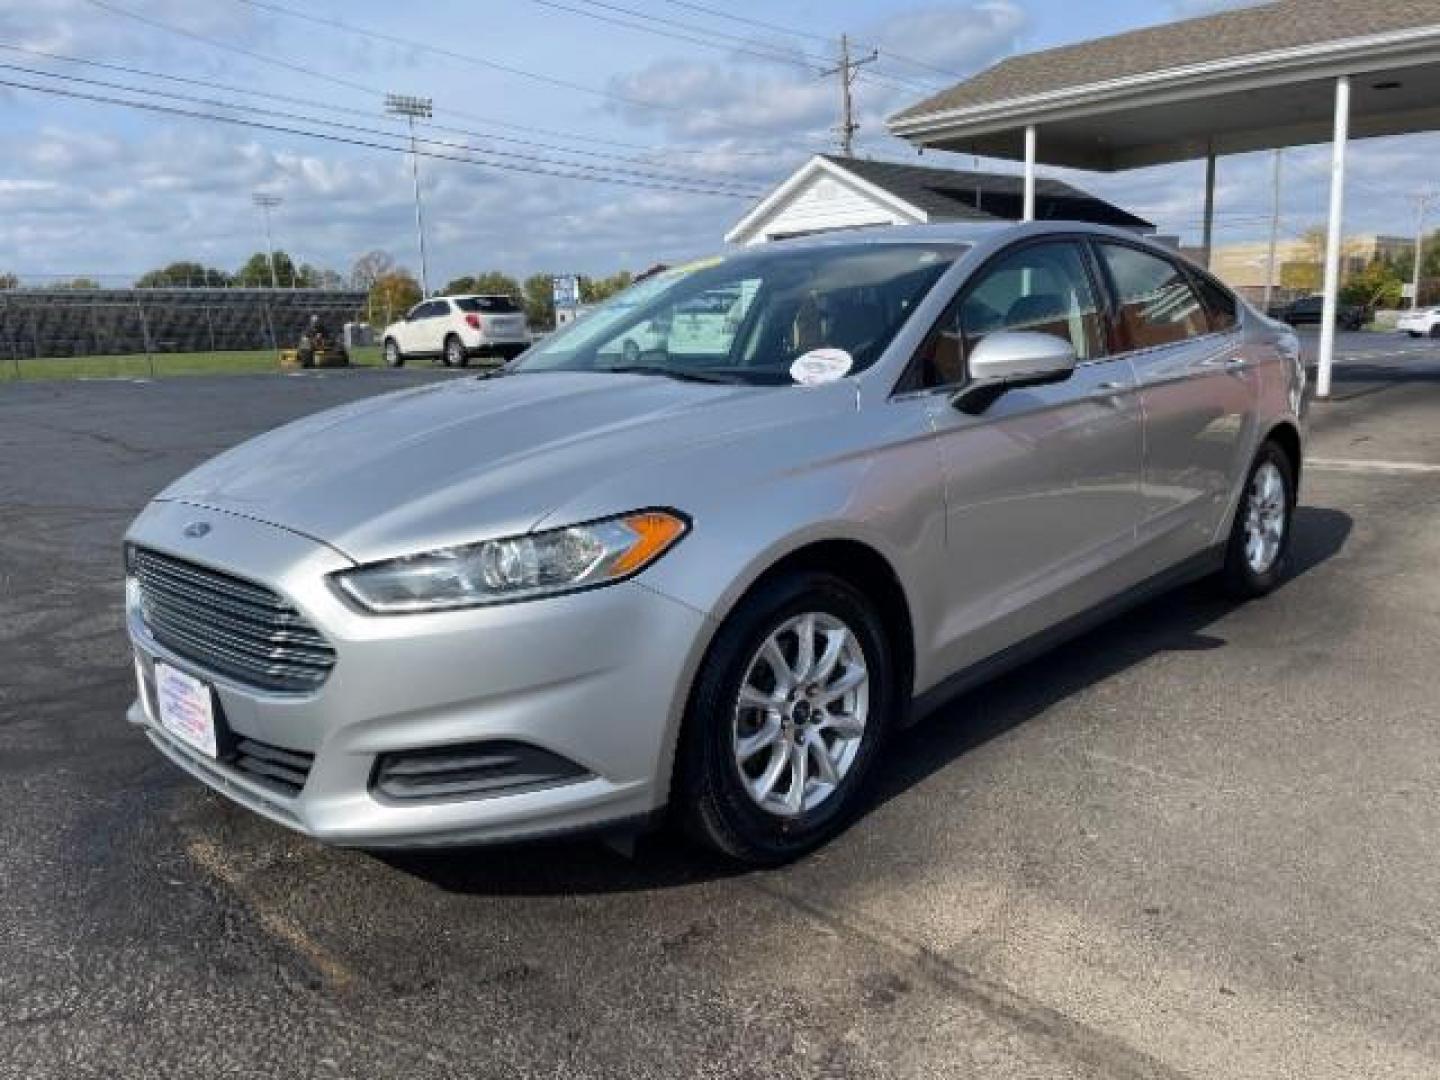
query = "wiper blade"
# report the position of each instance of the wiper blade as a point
(681, 374)
(496, 372)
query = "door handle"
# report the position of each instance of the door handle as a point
(1112, 387)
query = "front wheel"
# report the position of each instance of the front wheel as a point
(1260, 537)
(393, 356)
(788, 715)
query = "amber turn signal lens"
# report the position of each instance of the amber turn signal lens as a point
(655, 532)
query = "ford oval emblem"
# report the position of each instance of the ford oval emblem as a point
(197, 529)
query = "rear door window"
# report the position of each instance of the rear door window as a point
(1157, 305)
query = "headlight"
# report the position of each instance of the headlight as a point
(517, 567)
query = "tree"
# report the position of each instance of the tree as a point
(370, 268)
(540, 301)
(593, 291)
(488, 283)
(320, 277)
(1376, 286)
(393, 294)
(183, 274)
(255, 274)
(79, 283)
(9, 281)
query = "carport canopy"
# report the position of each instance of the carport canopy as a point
(1287, 73)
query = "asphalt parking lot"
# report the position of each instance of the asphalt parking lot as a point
(1202, 842)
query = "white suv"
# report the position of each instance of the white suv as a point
(455, 328)
(1422, 323)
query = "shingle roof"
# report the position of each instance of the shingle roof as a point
(1283, 24)
(949, 194)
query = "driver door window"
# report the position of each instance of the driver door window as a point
(1040, 288)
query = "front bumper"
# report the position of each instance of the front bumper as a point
(597, 677)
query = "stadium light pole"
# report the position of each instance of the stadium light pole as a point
(267, 201)
(411, 108)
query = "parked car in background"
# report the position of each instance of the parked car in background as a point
(1422, 323)
(590, 589)
(456, 328)
(1309, 310)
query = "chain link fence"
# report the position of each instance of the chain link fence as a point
(58, 324)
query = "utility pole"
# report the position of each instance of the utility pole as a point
(1423, 201)
(847, 69)
(1274, 232)
(267, 201)
(411, 108)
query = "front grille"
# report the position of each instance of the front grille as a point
(228, 625)
(283, 770)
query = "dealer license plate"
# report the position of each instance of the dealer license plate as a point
(187, 709)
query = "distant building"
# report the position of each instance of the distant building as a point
(831, 192)
(1298, 263)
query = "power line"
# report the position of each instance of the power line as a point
(408, 43)
(697, 182)
(405, 43)
(288, 99)
(761, 24)
(355, 141)
(700, 35)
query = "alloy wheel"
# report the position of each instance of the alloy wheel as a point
(1265, 518)
(801, 713)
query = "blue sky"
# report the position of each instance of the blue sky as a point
(724, 113)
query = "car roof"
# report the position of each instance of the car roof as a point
(974, 232)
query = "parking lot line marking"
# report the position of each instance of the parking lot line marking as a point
(1359, 465)
(206, 856)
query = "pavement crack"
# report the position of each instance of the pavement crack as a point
(1105, 1052)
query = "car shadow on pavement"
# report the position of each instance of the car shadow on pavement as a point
(1173, 622)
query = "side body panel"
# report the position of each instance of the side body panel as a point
(1043, 500)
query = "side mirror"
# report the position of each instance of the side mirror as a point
(1009, 359)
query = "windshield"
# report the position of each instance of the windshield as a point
(749, 317)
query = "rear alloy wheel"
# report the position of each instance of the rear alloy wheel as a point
(788, 714)
(1260, 537)
(393, 356)
(455, 355)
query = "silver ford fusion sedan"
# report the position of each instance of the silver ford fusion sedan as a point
(702, 551)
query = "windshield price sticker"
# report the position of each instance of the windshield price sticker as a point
(821, 366)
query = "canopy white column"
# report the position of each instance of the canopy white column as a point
(1030, 173)
(1333, 235)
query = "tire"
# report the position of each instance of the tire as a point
(393, 356)
(1434, 331)
(718, 797)
(1252, 568)
(1416, 333)
(455, 355)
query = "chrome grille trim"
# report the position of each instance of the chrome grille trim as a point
(230, 626)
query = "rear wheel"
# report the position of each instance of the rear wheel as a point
(1434, 331)
(455, 355)
(788, 715)
(1260, 537)
(393, 356)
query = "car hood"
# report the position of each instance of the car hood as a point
(459, 461)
